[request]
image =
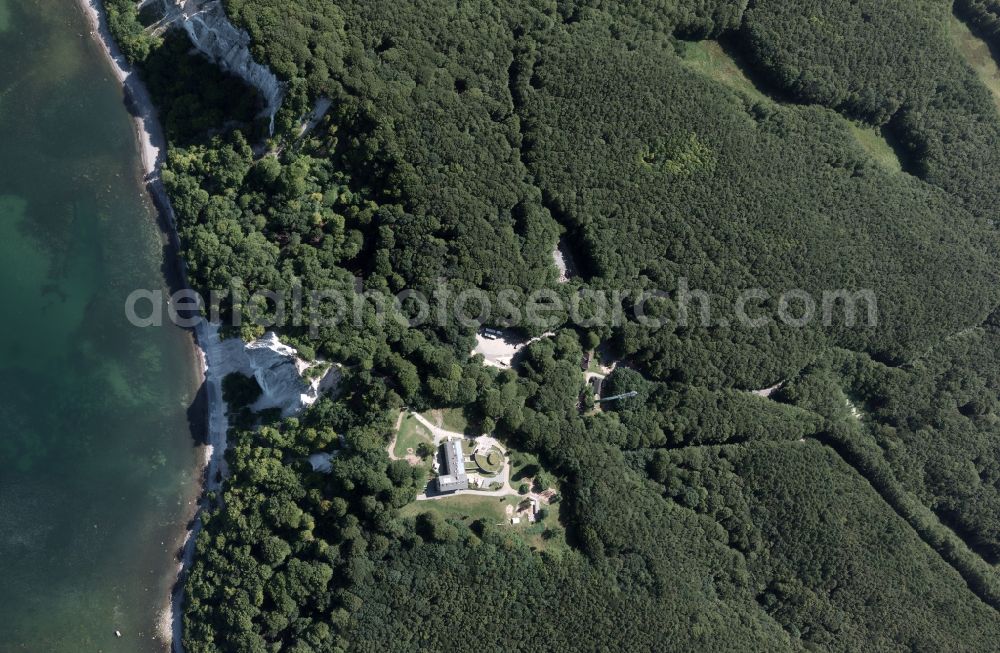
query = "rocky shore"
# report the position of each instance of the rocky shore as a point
(151, 143)
(276, 366)
(215, 359)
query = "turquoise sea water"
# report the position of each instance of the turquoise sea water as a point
(96, 455)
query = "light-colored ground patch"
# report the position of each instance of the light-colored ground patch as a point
(449, 419)
(500, 352)
(465, 507)
(560, 260)
(497, 352)
(767, 392)
(711, 60)
(319, 111)
(874, 141)
(977, 54)
(854, 410)
(565, 263)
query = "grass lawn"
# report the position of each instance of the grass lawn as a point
(875, 143)
(411, 434)
(533, 535)
(450, 419)
(453, 419)
(466, 508)
(977, 54)
(491, 463)
(708, 58)
(522, 466)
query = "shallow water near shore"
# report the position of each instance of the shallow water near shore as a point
(97, 461)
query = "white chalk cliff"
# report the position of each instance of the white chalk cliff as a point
(278, 370)
(212, 33)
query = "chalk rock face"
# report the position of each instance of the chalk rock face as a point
(218, 39)
(276, 367)
(278, 371)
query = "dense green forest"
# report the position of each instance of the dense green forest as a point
(854, 506)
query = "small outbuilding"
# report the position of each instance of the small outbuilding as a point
(596, 385)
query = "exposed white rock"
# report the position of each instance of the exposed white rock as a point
(278, 371)
(275, 365)
(562, 256)
(212, 33)
(320, 109)
(767, 392)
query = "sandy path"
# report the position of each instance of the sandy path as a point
(395, 436)
(440, 434)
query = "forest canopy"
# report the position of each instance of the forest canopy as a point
(819, 487)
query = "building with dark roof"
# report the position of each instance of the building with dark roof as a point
(597, 385)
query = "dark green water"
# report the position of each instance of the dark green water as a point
(96, 456)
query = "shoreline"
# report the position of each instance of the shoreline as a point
(152, 149)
